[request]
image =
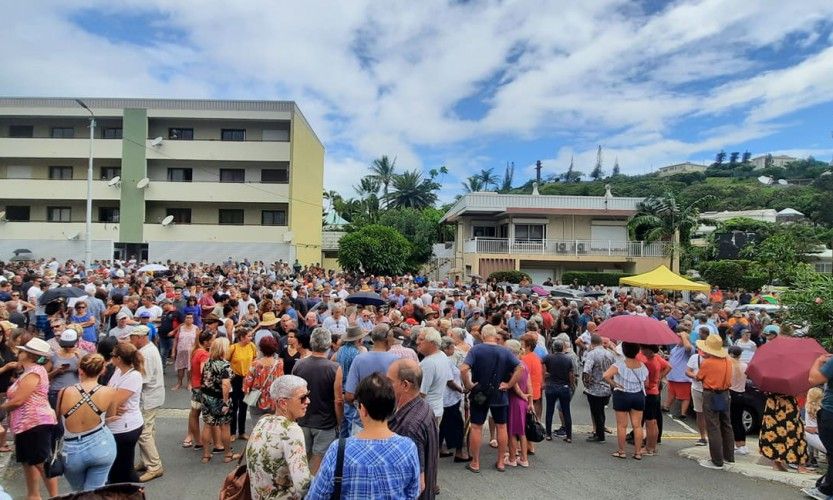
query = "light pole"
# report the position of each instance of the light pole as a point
(88, 250)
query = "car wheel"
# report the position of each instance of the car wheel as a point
(750, 420)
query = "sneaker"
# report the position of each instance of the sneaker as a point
(705, 462)
(151, 475)
(814, 493)
(595, 439)
(701, 442)
(561, 432)
(743, 450)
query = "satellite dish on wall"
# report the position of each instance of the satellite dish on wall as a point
(156, 142)
(2, 216)
(114, 181)
(72, 236)
(783, 182)
(167, 221)
(143, 183)
(765, 180)
(287, 236)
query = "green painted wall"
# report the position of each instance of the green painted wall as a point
(133, 168)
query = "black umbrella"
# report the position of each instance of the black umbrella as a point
(524, 291)
(62, 292)
(365, 299)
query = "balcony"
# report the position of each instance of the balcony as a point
(217, 192)
(218, 150)
(566, 248)
(47, 147)
(45, 189)
(494, 203)
(215, 233)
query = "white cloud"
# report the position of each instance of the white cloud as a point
(379, 77)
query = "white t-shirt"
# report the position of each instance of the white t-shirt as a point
(131, 419)
(336, 327)
(153, 390)
(33, 297)
(154, 310)
(435, 375)
(694, 363)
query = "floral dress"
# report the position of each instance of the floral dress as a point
(261, 377)
(215, 410)
(277, 460)
(782, 432)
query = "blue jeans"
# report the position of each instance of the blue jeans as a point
(562, 395)
(166, 345)
(88, 460)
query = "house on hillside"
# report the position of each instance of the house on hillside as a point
(546, 235)
(681, 168)
(759, 162)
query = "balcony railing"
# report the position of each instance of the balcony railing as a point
(565, 248)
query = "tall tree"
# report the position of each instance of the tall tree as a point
(663, 218)
(747, 156)
(719, 158)
(368, 185)
(616, 168)
(508, 174)
(768, 162)
(410, 189)
(597, 172)
(733, 159)
(383, 169)
(473, 184)
(488, 178)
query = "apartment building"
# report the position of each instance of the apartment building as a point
(680, 168)
(195, 180)
(545, 235)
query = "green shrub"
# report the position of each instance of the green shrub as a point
(509, 276)
(739, 273)
(374, 249)
(591, 278)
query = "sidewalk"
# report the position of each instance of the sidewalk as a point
(755, 466)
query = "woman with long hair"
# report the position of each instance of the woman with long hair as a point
(811, 426)
(125, 418)
(199, 356)
(216, 402)
(627, 378)
(185, 336)
(736, 391)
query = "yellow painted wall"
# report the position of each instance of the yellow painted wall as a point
(305, 190)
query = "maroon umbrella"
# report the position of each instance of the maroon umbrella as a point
(782, 365)
(638, 329)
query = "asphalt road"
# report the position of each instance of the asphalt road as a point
(558, 470)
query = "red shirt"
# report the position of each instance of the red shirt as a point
(197, 360)
(655, 366)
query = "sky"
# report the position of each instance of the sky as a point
(465, 84)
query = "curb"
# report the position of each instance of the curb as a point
(748, 466)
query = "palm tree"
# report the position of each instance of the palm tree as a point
(383, 170)
(411, 190)
(473, 184)
(664, 219)
(333, 197)
(488, 178)
(368, 185)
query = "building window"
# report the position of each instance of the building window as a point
(108, 214)
(273, 218)
(231, 216)
(181, 134)
(18, 213)
(58, 214)
(180, 215)
(179, 175)
(484, 231)
(111, 133)
(108, 173)
(60, 173)
(232, 175)
(279, 133)
(233, 134)
(63, 132)
(21, 131)
(274, 175)
(529, 232)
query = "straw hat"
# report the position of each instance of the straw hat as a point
(713, 345)
(268, 319)
(353, 333)
(545, 305)
(37, 347)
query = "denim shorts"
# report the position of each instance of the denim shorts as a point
(628, 401)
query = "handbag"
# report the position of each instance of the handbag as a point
(54, 464)
(339, 472)
(718, 402)
(252, 398)
(236, 485)
(534, 429)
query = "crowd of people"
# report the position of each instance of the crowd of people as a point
(313, 375)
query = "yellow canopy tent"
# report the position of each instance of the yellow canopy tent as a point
(663, 278)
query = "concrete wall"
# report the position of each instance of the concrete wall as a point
(62, 249)
(306, 192)
(211, 130)
(216, 252)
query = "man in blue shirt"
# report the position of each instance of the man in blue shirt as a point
(820, 373)
(516, 324)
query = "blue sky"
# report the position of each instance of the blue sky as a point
(469, 85)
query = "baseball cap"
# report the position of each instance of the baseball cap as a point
(772, 329)
(68, 338)
(139, 330)
(122, 314)
(144, 314)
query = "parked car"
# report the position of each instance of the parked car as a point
(753, 408)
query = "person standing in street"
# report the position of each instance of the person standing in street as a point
(153, 397)
(716, 374)
(320, 423)
(820, 374)
(436, 372)
(559, 383)
(415, 419)
(657, 369)
(596, 362)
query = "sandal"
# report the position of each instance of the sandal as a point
(568, 440)
(187, 443)
(619, 454)
(472, 469)
(5, 449)
(493, 443)
(205, 459)
(500, 469)
(637, 456)
(197, 446)
(231, 457)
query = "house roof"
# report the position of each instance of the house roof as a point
(495, 204)
(333, 219)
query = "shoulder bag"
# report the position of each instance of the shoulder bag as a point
(252, 398)
(534, 430)
(54, 464)
(339, 472)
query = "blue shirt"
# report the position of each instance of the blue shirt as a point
(827, 371)
(679, 360)
(540, 351)
(367, 363)
(490, 365)
(89, 331)
(517, 327)
(373, 469)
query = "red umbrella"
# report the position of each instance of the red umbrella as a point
(638, 329)
(782, 365)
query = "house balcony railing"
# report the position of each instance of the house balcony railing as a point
(566, 248)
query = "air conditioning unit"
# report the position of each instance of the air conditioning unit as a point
(562, 247)
(582, 248)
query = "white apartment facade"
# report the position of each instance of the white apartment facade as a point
(236, 178)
